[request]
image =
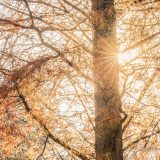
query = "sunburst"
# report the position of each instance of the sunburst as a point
(106, 60)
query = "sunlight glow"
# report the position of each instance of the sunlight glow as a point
(123, 58)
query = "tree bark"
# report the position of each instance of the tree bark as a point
(108, 132)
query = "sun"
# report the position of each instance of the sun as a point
(123, 58)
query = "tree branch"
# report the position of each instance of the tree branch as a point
(139, 99)
(30, 12)
(50, 135)
(19, 74)
(45, 143)
(141, 139)
(141, 42)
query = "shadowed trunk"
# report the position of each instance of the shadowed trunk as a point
(108, 143)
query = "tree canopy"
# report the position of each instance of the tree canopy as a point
(47, 82)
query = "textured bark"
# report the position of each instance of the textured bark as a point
(108, 143)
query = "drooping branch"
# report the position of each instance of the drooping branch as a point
(45, 128)
(20, 74)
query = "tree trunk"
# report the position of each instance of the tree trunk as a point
(108, 132)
